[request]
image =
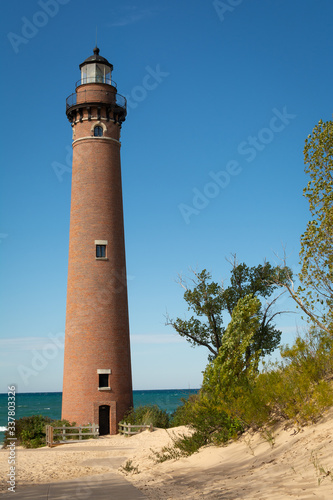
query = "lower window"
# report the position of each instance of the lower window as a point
(100, 251)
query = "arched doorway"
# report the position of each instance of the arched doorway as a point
(104, 420)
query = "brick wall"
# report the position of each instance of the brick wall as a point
(97, 329)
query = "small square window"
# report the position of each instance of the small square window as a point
(103, 380)
(100, 251)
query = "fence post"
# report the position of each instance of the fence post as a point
(151, 428)
(64, 433)
(49, 435)
(80, 432)
(129, 430)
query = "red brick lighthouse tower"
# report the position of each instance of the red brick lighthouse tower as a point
(97, 385)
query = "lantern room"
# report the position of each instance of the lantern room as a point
(96, 69)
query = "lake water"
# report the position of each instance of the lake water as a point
(49, 403)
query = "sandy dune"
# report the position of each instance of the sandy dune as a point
(291, 464)
(296, 464)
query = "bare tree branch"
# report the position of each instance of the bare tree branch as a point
(290, 288)
(305, 309)
(185, 333)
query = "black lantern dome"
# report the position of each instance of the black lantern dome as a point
(96, 58)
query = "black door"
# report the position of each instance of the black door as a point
(104, 420)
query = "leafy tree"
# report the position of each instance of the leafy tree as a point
(317, 241)
(205, 299)
(233, 366)
(209, 300)
(235, 396)
(315, 294)
(213, 413)
(227, 380)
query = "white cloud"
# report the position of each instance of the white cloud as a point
(26, 343)
(38, 343)
(131, 14)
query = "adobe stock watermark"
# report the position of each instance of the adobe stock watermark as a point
(40, 358)
(3, 236)
(210, 190)
(248, 148)
(30, 27)
(60, 169)
(223, 8)
(152, 79)
(11, 435)
(265, 136)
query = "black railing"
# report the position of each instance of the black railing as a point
(96, 97)
(96, 79)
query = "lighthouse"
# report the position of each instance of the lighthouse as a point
(97, 384)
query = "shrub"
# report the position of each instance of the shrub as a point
(297, 388)
(29, 431)
(182, 414)
(129, 468)
(183, 446)
(302, 390)
(190, 444)
(147, 415)
(235, 396)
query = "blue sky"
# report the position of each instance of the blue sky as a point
(212, 160)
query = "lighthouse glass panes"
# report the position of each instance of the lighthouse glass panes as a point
(95, 73)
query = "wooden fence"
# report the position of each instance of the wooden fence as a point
(66, 433)
(128, 429)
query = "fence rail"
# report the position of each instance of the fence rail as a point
(127, 429)
(66, 433)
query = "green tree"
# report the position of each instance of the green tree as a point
(209, 300)
(315, 294)
(232, 367)
(317, 241)
(216, 413)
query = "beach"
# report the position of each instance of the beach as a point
(286, 463)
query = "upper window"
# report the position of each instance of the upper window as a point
(100, 248)
(103, 380)
(100, 251)
(98, 131)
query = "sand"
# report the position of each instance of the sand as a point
(291, 463)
